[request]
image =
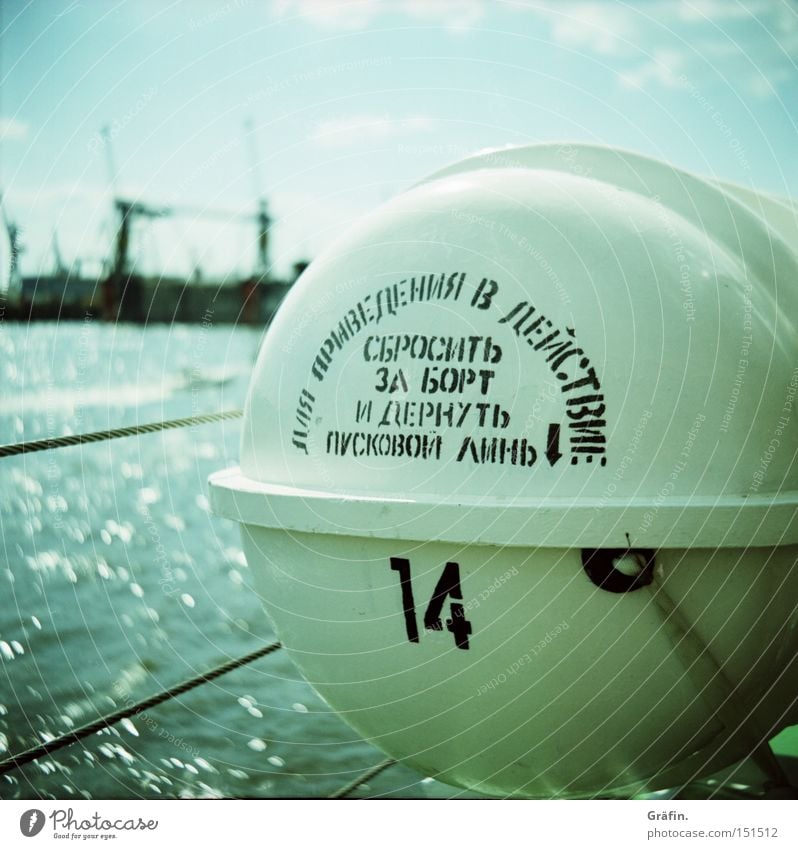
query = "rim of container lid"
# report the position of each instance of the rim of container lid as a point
(573, 522)
(778, 213)
(550, 155)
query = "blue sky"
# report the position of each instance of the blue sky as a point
(353, 101)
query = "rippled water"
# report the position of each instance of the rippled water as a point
(117, 582)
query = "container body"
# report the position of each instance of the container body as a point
(564, 689)
(533, 354)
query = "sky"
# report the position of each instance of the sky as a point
(330, 108)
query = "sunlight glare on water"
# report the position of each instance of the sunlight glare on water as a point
(117, 583)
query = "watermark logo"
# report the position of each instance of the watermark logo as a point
(31, 822)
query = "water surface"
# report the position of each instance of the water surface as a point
(117, 582)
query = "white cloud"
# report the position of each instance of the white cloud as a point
(330, 14)
(763, 84)
(12, 129)
(667, 40)
(665, 68)
(722, 10)
(774, 26)
(60, 192)
(453, 14)
(357, 14)
(366, 129)
(604, 29)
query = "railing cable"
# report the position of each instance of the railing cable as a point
(15, 448)
(60, 742)
(362, 779)
(50, 746)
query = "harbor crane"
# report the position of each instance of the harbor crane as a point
(123, 284)
(15, 247)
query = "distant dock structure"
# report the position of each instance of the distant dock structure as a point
(121, 292)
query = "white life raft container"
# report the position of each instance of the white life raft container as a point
(518, 475)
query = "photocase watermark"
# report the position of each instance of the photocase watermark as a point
(55, 500)
(122, 695)
(81, 364)
(568, 153)
(522, 243)
(718, 120)
(678, 467)
(32, 822)
(316, 309)
(195, 373)
(99, 140)
(742, 362)
(626, 460)
(680, 255)
(499, 158)
(485, 594)
(453, 151)
(313, 74)
(517, 665)
(322, 470)
(217, 14)
(56, 503)
(205, 165)
(167, 579)
(547, 395)
(785, 414)
(66, 825)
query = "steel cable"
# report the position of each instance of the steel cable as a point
(50, 746)
(65, 441)
(344, 791)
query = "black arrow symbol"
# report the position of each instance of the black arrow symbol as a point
(553, 444)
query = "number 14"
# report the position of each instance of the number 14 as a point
(448, 585)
